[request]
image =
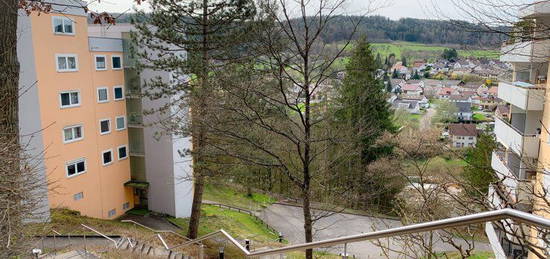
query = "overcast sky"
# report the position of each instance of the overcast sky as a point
(393, 9)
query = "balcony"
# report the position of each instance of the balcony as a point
(135, 120)
(526, 52)
(503, 170)
(525, 145)
(537, 9)
(525, 96)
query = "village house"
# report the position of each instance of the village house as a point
(463, 135)
(411, 106)
(464, 112)
(411, 89)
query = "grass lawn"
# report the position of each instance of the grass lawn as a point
(239, 225)
(479, 117)
(414, 51)
(226, 195)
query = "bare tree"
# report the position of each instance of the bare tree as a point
(269, 113)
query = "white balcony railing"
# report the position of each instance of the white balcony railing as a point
(503, 172)
(522, 95)
(526, 52)
(539, 8)
(512, 138)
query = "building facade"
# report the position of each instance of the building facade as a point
(523, 155)
(74, 114)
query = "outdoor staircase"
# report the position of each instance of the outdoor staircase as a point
(141, 248)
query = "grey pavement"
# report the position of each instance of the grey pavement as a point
(289, 221)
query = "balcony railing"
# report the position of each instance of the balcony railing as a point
(538, 8)
(489, 216)
(522, 95)
(505, 173)
(137, 148)
(519, 142)
(135, 120)
(535, 51)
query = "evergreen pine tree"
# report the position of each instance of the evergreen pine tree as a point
(478, 173)
(404, 61)
(395, 74)
(416, 76)
(378, 61)
(192, 39)
(364, 101)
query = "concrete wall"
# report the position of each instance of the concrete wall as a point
(30, 125)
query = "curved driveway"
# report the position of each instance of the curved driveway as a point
(289, 220)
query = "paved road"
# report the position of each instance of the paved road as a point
(426, 120)
(289, 220)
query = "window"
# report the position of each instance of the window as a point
(119, 94)
(66, 62)
(72, 134)
(107, 157)
(471, 138)
(78, 196)
(102, 95)
(63, 25)
(100, 62)
(69, 99)
(105, 126)
(122, 152)
(120, 123)
(116, 62)
(76, 167)
(125, 206)
(112, 213)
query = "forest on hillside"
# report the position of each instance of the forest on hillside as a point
(381, 29)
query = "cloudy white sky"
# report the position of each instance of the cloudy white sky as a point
(394, 9)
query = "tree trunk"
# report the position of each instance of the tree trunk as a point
(198, 113)
(10, 200)
(308, 222)
(193, 230)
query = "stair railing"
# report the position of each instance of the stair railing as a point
(101, 234)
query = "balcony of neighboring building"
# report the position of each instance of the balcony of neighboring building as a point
(132, 83)
(525, 96)
(536, 9)
(516, 175)
(136, 143)
(529, 51)
(519, 132)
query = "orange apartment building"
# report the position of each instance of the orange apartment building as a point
(74, 117)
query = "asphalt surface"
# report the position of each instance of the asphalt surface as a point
(289, 221)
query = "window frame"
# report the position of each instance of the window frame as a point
(118, 152)
(63, 18)
(81, 196)
(70, 105)
(95, 62)
(106, 132)
(116, 123)
(106, 91)
(121, 90)
(125, 206)
(74, 139)
(75, 162)
(66, 56)
(103, 158)
(109, 213)
(113, 63)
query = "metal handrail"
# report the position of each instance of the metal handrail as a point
(482, 217)
(154, 230)
(101, 234)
